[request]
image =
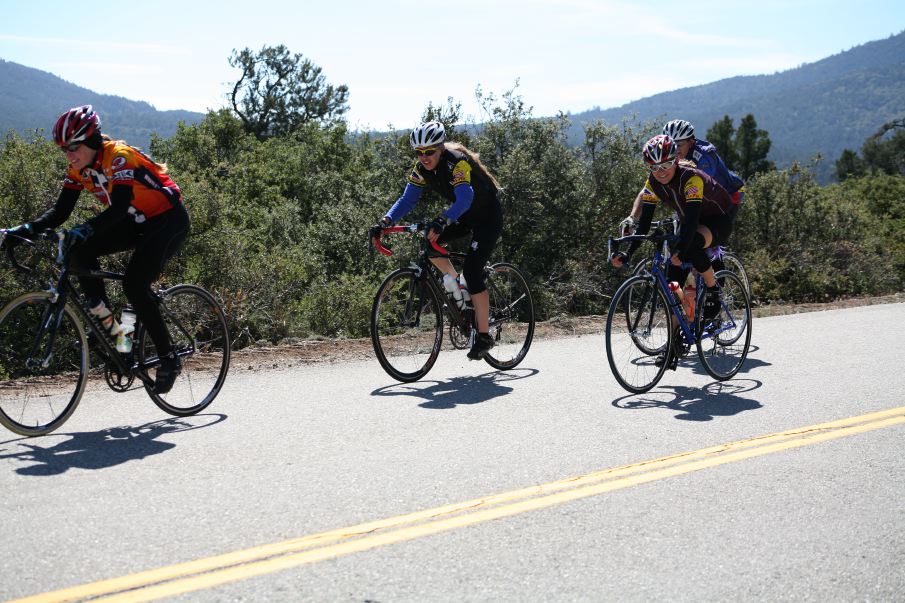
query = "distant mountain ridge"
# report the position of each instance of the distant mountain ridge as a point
(817, 108)
(31, 99)
(822, 107)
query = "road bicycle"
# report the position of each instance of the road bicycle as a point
(731, 261)
(46, 340)
(646, 319)
(407, 314)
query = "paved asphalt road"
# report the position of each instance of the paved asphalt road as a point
(334, 483)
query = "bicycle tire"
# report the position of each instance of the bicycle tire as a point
(641, 341)
(406, 325)
(644, 265)
(511, 318)
(637, 311)
(198, 330)
(37, 400)
(734, 264)
(718, 338)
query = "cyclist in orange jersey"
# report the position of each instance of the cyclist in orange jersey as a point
(144, 213)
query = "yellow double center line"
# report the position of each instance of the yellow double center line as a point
(240, 565)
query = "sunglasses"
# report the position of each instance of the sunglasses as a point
(660, 167)
(71, 148)
(426, 152)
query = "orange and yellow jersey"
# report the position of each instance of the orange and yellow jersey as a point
(688, 185)
(153, 192)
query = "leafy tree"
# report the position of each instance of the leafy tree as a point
(278, 92)
(721, 134)
(886, 153)
(744, 150)
(881, 152)
(752, 146)
(849, 165)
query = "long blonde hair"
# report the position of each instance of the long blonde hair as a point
(475, 159)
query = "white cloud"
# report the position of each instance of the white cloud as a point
(100, 44)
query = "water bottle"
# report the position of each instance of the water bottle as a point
(691, 294)
(126, 328)
(105, 317)
(680, 295)
(452, 288)
(463, 287)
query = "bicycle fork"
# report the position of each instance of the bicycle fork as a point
(50, 324)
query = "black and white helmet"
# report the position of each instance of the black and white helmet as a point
(428, 134)
(679, 129)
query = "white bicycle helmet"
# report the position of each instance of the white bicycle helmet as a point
(428, 134)
(679, 129)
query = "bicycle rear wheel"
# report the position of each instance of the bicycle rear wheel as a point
(638, 313)
(734, 264)
(197, 327)
(723, 341)
(406, 325)
(511, 316)
(36, 399)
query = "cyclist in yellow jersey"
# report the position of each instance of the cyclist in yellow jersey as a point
(457, 175)
(704, 209)
(144, 213)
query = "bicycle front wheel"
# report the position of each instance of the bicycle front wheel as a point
(642, 337)
(723, 341)
(638, 320)
(43, 368)
(197, 327)
(406, 325)
(511, 316)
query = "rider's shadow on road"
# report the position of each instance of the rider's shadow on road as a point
(101, 449)
(440, 395)
(749, 365)
(719, 399)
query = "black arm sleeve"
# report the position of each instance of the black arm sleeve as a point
(647, 216)
(60, 211)
(120, 200)
(689, 227)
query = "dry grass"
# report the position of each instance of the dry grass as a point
(336, 350)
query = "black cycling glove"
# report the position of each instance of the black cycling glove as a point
(375, 230)
(15, 235)
(437, 225)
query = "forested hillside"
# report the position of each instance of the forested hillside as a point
(817, 108)
(280, 214)
(32, 99)
(279, 225)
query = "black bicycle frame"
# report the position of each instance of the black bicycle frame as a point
(62, 293)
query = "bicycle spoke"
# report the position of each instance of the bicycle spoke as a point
(42, 371)
(406, 326)
(200, 338)
(638, 323)
(511, 316)
(723, 341)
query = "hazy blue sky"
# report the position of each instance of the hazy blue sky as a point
(396, 56)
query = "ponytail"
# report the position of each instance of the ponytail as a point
(475, 159)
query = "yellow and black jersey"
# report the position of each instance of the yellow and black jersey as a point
(454, 169)
(688, 185)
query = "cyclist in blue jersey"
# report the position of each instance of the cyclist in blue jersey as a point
(457, 175)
